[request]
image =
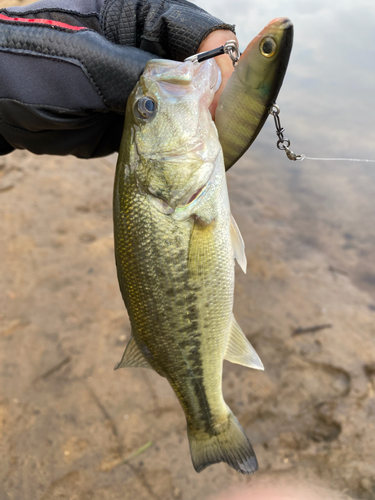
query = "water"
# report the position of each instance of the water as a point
(327, 108)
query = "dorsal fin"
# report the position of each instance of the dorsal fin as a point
(132, 357)
(238, 244)
(239, 350)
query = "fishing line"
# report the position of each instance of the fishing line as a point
(284, 144)
(303, 157)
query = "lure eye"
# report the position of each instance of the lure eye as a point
(268, 46)
(145, 107)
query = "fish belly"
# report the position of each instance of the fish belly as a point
(177, 281)
(176, 278)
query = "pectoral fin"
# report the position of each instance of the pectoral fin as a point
(238, 244)
(239, 350)
(133, 357)
(201, 249)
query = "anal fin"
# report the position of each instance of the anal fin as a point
(133, 357)
(239, 350)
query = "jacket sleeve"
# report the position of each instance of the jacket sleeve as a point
(67, 67)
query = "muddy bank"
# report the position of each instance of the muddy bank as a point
(68, 420)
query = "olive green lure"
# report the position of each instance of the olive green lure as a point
(252, 89)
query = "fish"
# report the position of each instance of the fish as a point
(252, 88)
(175, 244)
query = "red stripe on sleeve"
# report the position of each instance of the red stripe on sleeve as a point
(48, 22)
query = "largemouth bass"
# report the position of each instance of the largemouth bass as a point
(175, 242)
(254, 85)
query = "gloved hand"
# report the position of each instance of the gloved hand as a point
(68, 66)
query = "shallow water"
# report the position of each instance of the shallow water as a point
(327, 109)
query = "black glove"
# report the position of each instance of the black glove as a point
(67, 67)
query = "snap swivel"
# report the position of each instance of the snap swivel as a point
(230, 47)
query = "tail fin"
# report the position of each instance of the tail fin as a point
(231, 446)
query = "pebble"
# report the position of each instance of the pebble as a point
(366, 484)
(176, 493)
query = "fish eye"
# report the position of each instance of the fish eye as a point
(268, 46)
(145, 107)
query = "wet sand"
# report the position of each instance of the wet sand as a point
(68, 421)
